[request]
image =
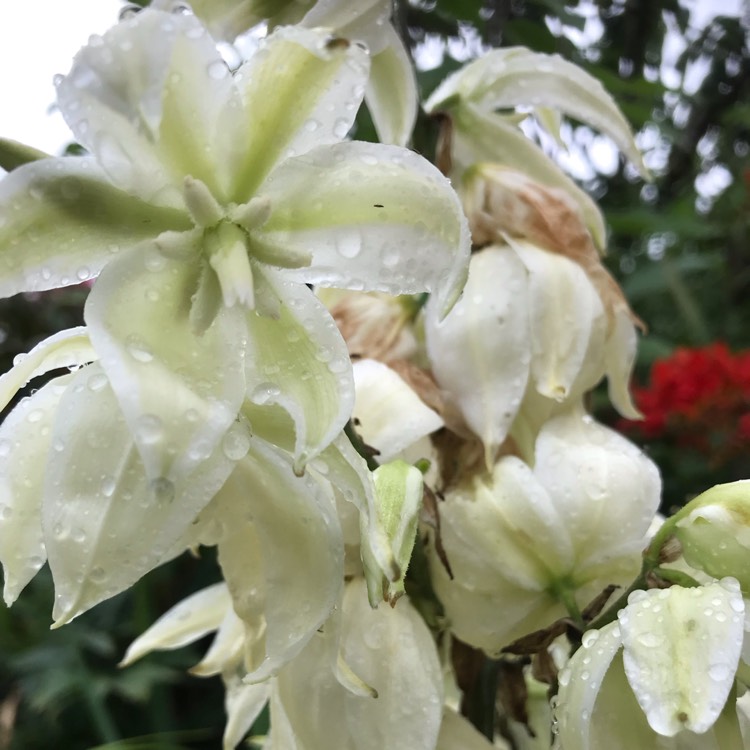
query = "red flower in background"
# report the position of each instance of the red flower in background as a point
(700, 398)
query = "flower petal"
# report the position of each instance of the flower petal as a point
(391, 94)
(61, 222)
(69, 348)
(243, 704)
(559, 343)
(25, 438)
(105, 523)
(620, 353)
(227, 649)
(300, 362)
(179, 392)
(681, 650)
(311, 87)
(505, 78)
(480, 352)
(357, 208)
(481, 137)
(577, 696)
(608, 490)
(187, 621)
(390, 416)
(120, 86)
(282, 544)
(408, 682)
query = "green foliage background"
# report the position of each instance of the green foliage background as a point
(681, 255)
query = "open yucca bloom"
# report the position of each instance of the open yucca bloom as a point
(291, 356)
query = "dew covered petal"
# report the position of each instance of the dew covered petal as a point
(69, 348)
(373, 217)
(480, 352)
(310, 86)
(300, 362)
(61, 221)
(282, 544)
(681, 651)
(25, 439)
(180, 392)
(106, 522)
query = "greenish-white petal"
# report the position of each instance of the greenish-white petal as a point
(480, 353)
(372, 217)
(365, 20)
(577, 696)
(187, 621)
(391, 94)
(69, 348)
(300, 362)
(114, 96)
(282, 544)
(392, 650)
(227, 649)
(106, 522)
(61, 221)
(390, 416)
(25, 437)
(479, 137)
(514, 76)
(607, 491)
(564, 308)
(347, 471)
(619, 357)
(198, 100)
(243, 704)
(310, 86)
(180, 392)
(681, 650)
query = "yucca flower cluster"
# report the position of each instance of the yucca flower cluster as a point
(360, 377)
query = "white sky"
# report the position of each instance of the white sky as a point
(38, 38)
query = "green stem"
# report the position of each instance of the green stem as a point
(565, 594)
(360, 446)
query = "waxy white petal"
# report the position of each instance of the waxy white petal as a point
(243, 704)
(365, 20)
(282, 544)
(620, 352)
(390, 416)
(180, 392)
(69, 348)
(408, 708)
(681, 650)
(373, 217)
(187, 621)
(513, 76)
(606, 490)
(480, 352)
(309, 86)
(112, 100)
(559, 341)
(300, 362)
(61, 221)
(577, 696)
(391, 94)
(227, 649)
(25, 437)
(106, 523)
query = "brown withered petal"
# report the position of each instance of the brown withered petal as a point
(430, 516)
(512, 692)
(597, 603)
(539, 640)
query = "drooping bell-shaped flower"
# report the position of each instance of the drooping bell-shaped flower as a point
(540, 322)
(524, 543)
(474, 131)
(672, 685)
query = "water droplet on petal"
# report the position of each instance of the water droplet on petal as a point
(217, 70)
(149, 429)
(163, 489)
